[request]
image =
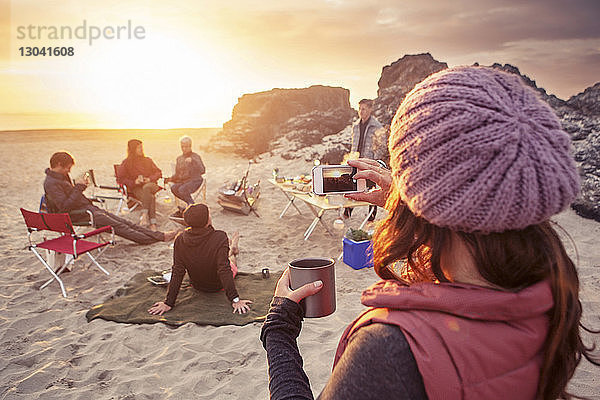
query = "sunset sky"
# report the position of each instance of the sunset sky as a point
(198, 57)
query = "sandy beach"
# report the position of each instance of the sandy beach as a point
(50, 351)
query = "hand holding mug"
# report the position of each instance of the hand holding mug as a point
(283, 288)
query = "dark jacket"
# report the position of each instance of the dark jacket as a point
(132, 167)
(185, 171)
(204, 254)
(62, 195)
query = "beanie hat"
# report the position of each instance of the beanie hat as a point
(196, 215)
(475, 150)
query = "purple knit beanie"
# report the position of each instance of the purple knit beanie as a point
(475, 150)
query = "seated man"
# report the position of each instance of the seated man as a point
(208, 258)
(64, 197)
(188, 174)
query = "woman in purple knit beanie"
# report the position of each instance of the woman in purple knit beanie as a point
(479, 299)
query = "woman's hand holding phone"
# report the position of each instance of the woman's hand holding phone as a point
(372, 170)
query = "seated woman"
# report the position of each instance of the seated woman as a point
(479, 299)
(140, 174)
(207, 256)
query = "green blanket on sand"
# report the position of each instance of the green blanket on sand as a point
(131, 303)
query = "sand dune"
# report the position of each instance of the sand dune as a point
(50, 351)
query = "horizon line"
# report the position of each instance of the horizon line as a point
(104, 129)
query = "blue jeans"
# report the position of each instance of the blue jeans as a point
(184, 190)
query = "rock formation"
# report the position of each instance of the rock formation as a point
(398, 78)
(581, 118)
(258, 119)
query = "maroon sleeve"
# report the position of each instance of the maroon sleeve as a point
(124, 174)
(224, 271)
(156, 173)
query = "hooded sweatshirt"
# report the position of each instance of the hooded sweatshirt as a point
(469, 342)
(204, 254)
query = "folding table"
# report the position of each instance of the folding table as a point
(287, 192)
(320, 204)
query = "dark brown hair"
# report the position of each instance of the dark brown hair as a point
(511, 260)
(132, 146)
(366, 102)
(61, 158)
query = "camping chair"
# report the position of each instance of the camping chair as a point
(201, 191)
(101, 197)
(241, 197)
(68, 243)
(127, 198)
(80, 218)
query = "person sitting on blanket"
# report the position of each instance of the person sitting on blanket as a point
(209, 259)
(65, 196)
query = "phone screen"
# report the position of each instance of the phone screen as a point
(339, 179)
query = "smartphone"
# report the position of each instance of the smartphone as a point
(336, 179)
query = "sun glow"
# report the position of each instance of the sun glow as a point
(159, 84)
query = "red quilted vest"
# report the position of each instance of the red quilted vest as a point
(469, 342)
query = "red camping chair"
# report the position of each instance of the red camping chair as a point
(69, 242)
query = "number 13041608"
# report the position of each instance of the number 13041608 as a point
(47, 51)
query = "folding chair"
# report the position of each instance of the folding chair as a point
(102, 197)
(69, 242)
(127, 198)
(242, 197)
(81, 218)
(200, 192)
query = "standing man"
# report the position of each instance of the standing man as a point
(188, 174)
(363, 132)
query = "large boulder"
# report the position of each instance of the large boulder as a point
(551, 99)
(581, 118)
(329, 149)
(587, 102)
(257, 118)
(399, 78)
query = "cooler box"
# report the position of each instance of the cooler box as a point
(358, 254)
